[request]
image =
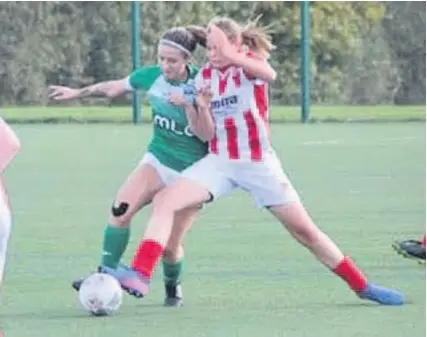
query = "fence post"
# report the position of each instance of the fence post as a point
(136, 56)
(305, 61)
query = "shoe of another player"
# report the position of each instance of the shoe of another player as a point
(174, 296)
(382, 295)
(118, 273)
(131, 281)
(411, 249)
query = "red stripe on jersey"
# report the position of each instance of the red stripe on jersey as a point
(232, 143)
(237, 78)
(222, 85)
(214, 141)
(253, 136)
(261, 100)
(214, 144)
(207, 73)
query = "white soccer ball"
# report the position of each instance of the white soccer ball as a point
(101, 294)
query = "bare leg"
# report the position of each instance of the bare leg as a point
(183, 222)
(296, 220)
(173, 257)
(137, 191)
(181, 195)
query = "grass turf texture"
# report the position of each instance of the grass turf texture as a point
(363, 183)
(104, 114)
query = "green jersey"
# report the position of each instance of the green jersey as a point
(173, 143)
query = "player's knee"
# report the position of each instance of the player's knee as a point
(120, 214)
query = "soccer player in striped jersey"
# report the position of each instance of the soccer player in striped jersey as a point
(176, 144)
(9, 148)
(241, 156)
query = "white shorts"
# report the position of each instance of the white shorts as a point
(265, 181)
(167, 175)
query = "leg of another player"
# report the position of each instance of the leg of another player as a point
(297, 221)
(138, 190)
(412, 249)
(173, 256)
(183, 194)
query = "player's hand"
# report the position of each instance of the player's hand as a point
(223, 47)
(204, 97)
(177, 98)
(60, 93)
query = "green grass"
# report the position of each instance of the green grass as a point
(363, 183)
(278, 113)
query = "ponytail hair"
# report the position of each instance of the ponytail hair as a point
(199, 33)
(256, 39)
(185, 39)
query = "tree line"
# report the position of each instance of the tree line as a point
(362, 52)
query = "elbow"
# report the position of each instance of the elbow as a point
(112, 93)
(271, 75)
(16, 145)
(205, 135)
(13, 144)
(209, 135)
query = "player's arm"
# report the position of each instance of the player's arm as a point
(108, 89)
(199, 116)
(200, 120)
(10, 145)
(255, 66)
(142, 78)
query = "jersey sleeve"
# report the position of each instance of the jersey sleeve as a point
(143, 78)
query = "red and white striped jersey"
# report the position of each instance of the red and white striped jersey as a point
(240, 110)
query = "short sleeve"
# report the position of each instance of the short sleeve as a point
(143, 78)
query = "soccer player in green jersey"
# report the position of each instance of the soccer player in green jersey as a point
(178, 142)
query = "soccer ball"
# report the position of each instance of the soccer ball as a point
(101, 294)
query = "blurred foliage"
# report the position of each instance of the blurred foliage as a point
(362, 52)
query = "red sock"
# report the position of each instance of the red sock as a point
(423, 241)
(148, 254)
(350, 273)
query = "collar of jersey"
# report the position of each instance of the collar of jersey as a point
(190, 74)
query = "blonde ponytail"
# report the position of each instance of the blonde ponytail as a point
(257, 39)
